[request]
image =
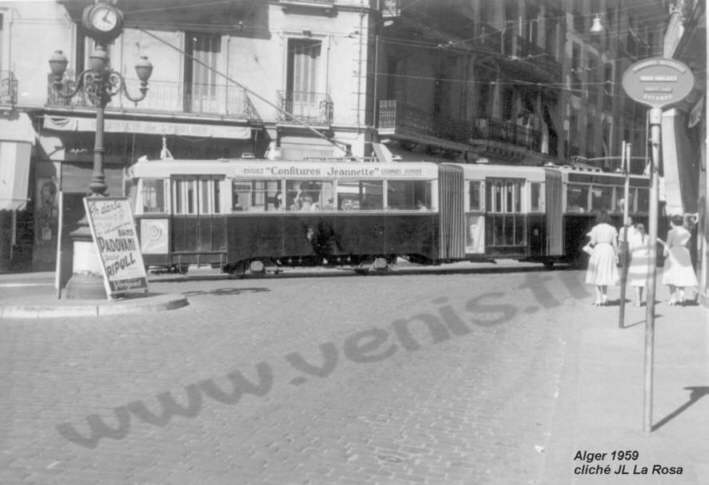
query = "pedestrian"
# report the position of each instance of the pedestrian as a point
(639, 266)
(602, 266)
(677, 272)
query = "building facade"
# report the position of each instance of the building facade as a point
(230, 79)
(515, 81)
(684, 130)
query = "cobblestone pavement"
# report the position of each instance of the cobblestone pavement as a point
(435, 379)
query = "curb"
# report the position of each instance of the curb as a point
(92, 309)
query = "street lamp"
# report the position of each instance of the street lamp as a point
(99, 83)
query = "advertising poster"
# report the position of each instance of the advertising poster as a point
(116, 240)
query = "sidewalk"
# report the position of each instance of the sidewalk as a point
(600, 405)
(32, 296)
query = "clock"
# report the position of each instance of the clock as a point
(103, 21)
(104, 18)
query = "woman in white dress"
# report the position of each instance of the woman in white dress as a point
(602, 269)
(678, 272)
(639, 266)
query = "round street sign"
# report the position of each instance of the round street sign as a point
(658, 81)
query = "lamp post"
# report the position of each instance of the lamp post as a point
(99, 83)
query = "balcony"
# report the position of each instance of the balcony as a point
(306, 107)
(519, 54)
(326, 7)
(399, 119)
(8, 88)
(170, 97)
(507, 132)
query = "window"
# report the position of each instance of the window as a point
(504, 196)
(306, 196)
(209, 196)
(152, 195)
(602, 198)
(577, 198)
(507, 102)
(536, 193)
(608, 86)
(201, 64)
(355, 195)
(642, 200)
(196, 195)
(409, 194)
(475, 195)
(302, 81)
(256, 195)
(579, 22)
(592, 65)
(576, 69)
(551, 36)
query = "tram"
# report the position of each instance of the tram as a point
(245, 214)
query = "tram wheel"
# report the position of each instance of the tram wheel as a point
(257, 266)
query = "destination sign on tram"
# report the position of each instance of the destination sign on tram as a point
(333, 170)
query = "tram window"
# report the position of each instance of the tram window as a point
(509, 198)
(504, 196)
(601, 198)
(577, 198)
(198, 195)
(185, 196)
(256, 195)
(208, 196)
(309, 195)
(474, 192)
(494, 203)
(153, 195)
(536, 193)
(409, 194)
(360, 195)
(643, 200)
(270, 195)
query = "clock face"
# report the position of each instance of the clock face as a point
(104, 18)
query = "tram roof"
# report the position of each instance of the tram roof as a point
(297, 169)
(534, 174)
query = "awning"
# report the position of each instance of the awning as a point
(17, 129)
(14, 174)
(201, 130)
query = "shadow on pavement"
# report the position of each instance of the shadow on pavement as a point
(351, 272)
(225, 291)
(696, 393)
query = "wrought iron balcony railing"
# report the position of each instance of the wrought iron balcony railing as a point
(172, 97)
(398, 118)
(309, 107)
(507, 132)
(8, 88)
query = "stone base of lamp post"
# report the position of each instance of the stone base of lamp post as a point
(86, 281)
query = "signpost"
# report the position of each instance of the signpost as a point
(113, 230)
(656, 82)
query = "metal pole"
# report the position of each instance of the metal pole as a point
(704, 273)
(625, 160)
(655, 120)
(98, 179)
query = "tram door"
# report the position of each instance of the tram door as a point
(198, 232)
(505, 222)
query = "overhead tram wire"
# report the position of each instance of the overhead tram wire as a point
(290, 116)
